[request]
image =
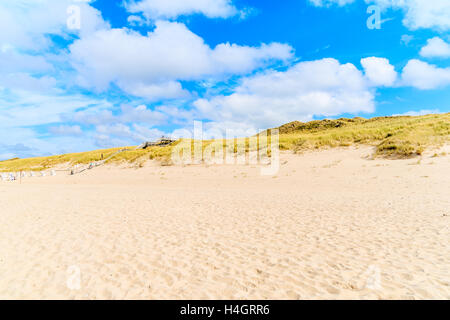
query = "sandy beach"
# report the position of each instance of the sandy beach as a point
(333, 224)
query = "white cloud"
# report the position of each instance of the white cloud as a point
(25, 82)
(26, 47)
(90, 116)
(327, 3)
(64, 130)
(150, 64)
(25, 108)
(134, 20)
(231, 58)
(13, 61)
(119, 134)
(105, 141)
(19, 70)
(436, 48)
(424, 76)
(6, 156)
(169, 9)
(420, 13)
(12, 151)
(143, 133)
(418, 113)
(323, 87)
(27, 24)
(434, 14)
(155, 92)
(406, 39)
(22, 110)
(140, 114)
(118, 129)
(177, 114)
(379, 71)
(128, 114)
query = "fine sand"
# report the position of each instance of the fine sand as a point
(331, 224)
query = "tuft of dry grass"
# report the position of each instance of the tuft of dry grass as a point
(393, 137)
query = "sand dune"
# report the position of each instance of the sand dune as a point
(332, 224)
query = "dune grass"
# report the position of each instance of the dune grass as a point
(43, 163)
(393, 137)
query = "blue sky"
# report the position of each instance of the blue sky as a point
(83, 75)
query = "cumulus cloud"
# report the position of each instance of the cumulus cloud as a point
(13, 151)
(436, 48)
(323, 87)
(154, 92)
(140, 114)
(25, 82)
(23, 110)
(26, 31)
(379, 71)
(424, 76)
(147, 65)
(64, 130)
(420, 13)
(127, 114)
(406, 39)
(117, 129)
(327, 3)
(119, 134)
(134, 20)
(418, 113)
(143, 133)
(11, 60)
(163, 9)
(26, 109)
(27, 24)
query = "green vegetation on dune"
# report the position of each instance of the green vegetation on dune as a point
(393, 136)
(42, 163)
(396, 137)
